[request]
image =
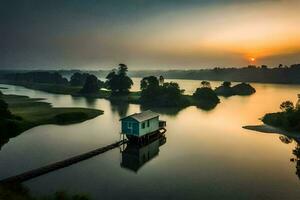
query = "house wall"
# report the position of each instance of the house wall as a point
(153, 126)
(134, 130)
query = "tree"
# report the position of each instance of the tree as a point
(78, 79)
(206, 98)
(206, 95)
(205, 84)
(161, 80)
(91, 85)
(149, 82)
(287, 106)
(264, 67)
(118, 81)
(154, 94)
(226, 84)
(150, 88)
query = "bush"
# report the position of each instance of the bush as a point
(240, 89)
(78, 79)
(92, 85)
(206, 98)
(243, 89)
(225, 91)
(289, 119)
(167, 94)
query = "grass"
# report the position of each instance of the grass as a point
(31, 112)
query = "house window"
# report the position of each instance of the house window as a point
(148, 123)
(143, 125)
(129, 125)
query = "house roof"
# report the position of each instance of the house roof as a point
(143, 116)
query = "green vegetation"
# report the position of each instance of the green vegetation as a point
(92, 85)
(118, 81)
(78, 79)
(154, 91)
(27, 113)
(36, 77)
(164, 95)
(206, 98)
(242, 89)
(288, 119)
(19, 192)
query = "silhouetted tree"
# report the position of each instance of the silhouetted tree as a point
(287, 106)
(37, 77)
(149, 82)
(206, 94)
(118, 81)
(168, 94)
(205, 84)
(161, 80)
(226, 84)
(264, 67)
(78, 79)
(91, 85)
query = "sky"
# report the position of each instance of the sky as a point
(148, 34)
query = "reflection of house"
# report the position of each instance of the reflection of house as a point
(135, 156)
(141, 124)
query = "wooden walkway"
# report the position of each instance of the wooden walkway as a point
(61, 164)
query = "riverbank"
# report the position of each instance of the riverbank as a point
(131, 97)
(29, 113)
(264, 128)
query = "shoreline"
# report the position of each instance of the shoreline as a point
(264, 128)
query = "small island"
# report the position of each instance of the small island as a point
(20, 113)
(155, 92)
(242, 89)
(288, 119)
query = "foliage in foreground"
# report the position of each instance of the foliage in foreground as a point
(288, 119)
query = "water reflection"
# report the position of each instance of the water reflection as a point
(120, 108)
(296, 151)
(134, 156)
(171, 111)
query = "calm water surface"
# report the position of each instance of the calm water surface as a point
(207, 154)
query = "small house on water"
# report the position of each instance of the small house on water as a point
(142, 125)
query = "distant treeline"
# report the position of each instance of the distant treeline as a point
(34, 77)
(263, 74)
(260, 74)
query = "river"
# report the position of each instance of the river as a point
(207, 154)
